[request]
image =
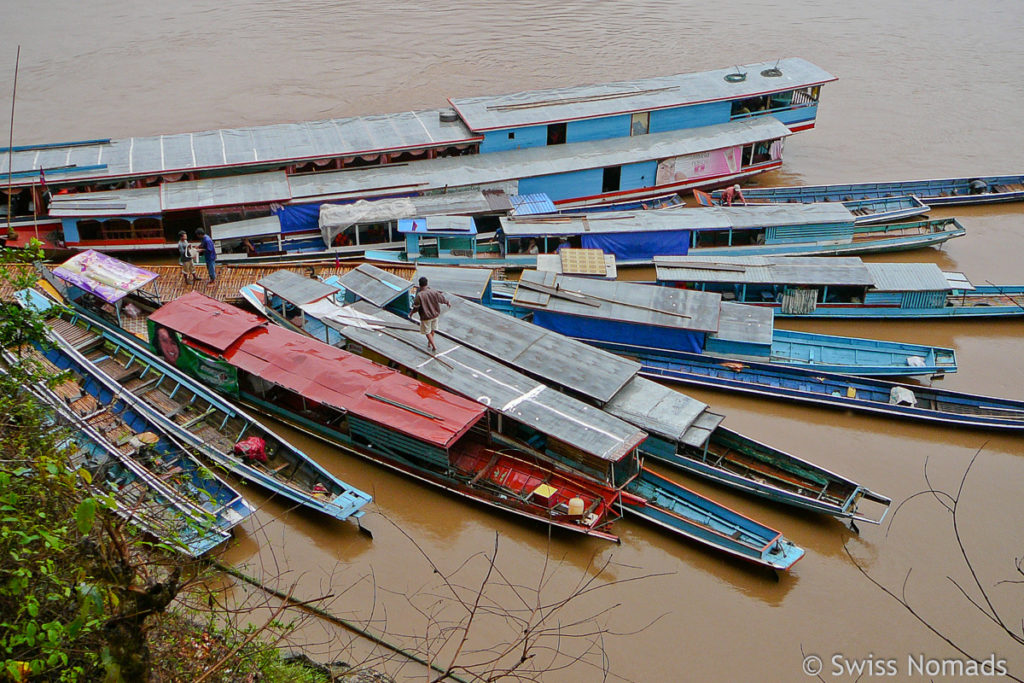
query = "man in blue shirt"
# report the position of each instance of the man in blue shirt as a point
(209, 252)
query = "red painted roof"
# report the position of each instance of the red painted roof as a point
(324, 373)
(207, 321)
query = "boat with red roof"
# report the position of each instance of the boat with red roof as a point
(379, 414)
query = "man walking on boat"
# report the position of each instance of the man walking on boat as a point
(209, 252)
(428, 304)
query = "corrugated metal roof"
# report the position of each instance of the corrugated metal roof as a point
(621, 301)
(144, 201)
(670, 219)
(744, 323)
(663, 411)
(568, 104)
(226, 191)
(176, 153)
(377, 286)
(465, 371)
(253, 227)
(537, 351)
(468, 283)
(497, 167)
(295, 288)
(530, 204)
(796, 270)
(431, 175)
(908, 277)
(571, 364)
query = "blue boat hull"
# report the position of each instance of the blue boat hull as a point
(680, 510)
(841, 391)
(939, 192)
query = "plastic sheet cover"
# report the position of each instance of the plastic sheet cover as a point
(640, 245)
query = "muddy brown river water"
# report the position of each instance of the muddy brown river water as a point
(926, 89)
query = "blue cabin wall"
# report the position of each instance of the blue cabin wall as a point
(799, 115)
(621, 332)
(526, 136)
(70, 228)
(589, 182)
(597, 129)
(638, 175)
(690, 117)
(565, 185)
(782, 234)
(923, 300)
(883, 299)
(715, 345)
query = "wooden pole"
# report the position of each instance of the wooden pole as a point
(10, 141)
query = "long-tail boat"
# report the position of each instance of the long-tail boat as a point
(841, 287)
(650, 319)
(156, 485)
(935, 192)
(516, 401)
(195, 415)
(379, 414)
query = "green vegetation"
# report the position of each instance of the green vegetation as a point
(82, 596)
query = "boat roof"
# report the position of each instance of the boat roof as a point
(229, 147)
(377, 286)
(619, 301)
(568, 363)
(460, 202)
(470, 373)
(908, 277)
(664, 412)
(415, 176)
(469, 283)
(254, 188)
(210, 322)
(589, 262)
(331, 376)
(438, 225)
(795, 270)
(106, 277)
(295, 288)
(540, 107)
(251, 227)
(672, 219)
(497, 167)
(745, 323)
(537, 350)
(528, 204)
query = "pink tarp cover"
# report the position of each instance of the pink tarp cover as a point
(105, 276)
(325, 374)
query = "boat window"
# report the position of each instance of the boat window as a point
(556, 134)
(640, 123)
(748, 155)
(511, 135)
(612, 177)
(89, 230)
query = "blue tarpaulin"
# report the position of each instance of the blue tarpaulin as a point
(299, 218)
(632, 334)
(639, 245)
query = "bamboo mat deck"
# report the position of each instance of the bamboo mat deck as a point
(230, 278)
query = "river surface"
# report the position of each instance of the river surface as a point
(926, 89)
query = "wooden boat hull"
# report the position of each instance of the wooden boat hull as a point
(742, 463)
(678, 509)
(156, 484)
(865, 357)
(289, 472)
(842, 391)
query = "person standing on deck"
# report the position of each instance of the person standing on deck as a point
(428, 304)
(185, 256)
(731, 194)
(210, 252)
